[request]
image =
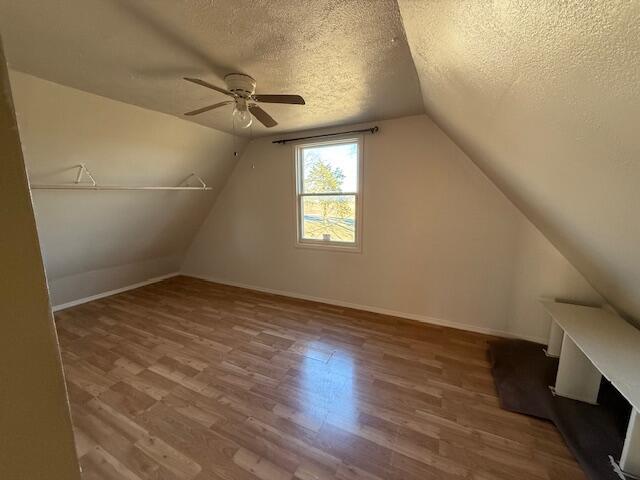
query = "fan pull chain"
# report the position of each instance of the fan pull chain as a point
(235, 142)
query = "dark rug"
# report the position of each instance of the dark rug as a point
(523, 373)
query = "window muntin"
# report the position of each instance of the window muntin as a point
(328, 181)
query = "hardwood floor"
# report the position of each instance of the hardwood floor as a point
(187, 379)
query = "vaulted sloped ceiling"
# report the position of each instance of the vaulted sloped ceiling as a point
(348, 58)
(545, 97)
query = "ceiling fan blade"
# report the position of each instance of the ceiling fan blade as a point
(291, 99)
(208, 85)
(210, 107)
(262, 116)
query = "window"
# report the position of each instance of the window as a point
(329, 199)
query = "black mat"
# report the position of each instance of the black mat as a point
(523, 373)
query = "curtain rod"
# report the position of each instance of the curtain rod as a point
(371, 130)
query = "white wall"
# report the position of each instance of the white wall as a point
(36, 442)
(98, 241)
(544, 96)
(440, 241)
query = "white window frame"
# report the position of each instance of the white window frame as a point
(323, 244)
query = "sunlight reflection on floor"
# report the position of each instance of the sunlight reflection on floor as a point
(328, 386)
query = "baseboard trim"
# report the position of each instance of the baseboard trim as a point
(80, 301)
(367, 308)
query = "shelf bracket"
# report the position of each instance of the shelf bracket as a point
(82, 170)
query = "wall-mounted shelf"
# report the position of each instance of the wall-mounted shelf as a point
(93, 185)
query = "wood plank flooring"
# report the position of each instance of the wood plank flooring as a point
(187, 379)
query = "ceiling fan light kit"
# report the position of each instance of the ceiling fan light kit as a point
(242, 89)
(241, 114)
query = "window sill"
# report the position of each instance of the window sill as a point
(333, 247)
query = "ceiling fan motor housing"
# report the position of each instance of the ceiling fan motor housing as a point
(242, 85)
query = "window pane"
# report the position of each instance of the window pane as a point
(330, 168)
(329, 218)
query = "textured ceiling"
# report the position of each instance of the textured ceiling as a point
(545, 97)
(348, 58)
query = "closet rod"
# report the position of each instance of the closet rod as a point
(73, 186)
(82, 171)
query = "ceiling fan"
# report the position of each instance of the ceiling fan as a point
(242, 89)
